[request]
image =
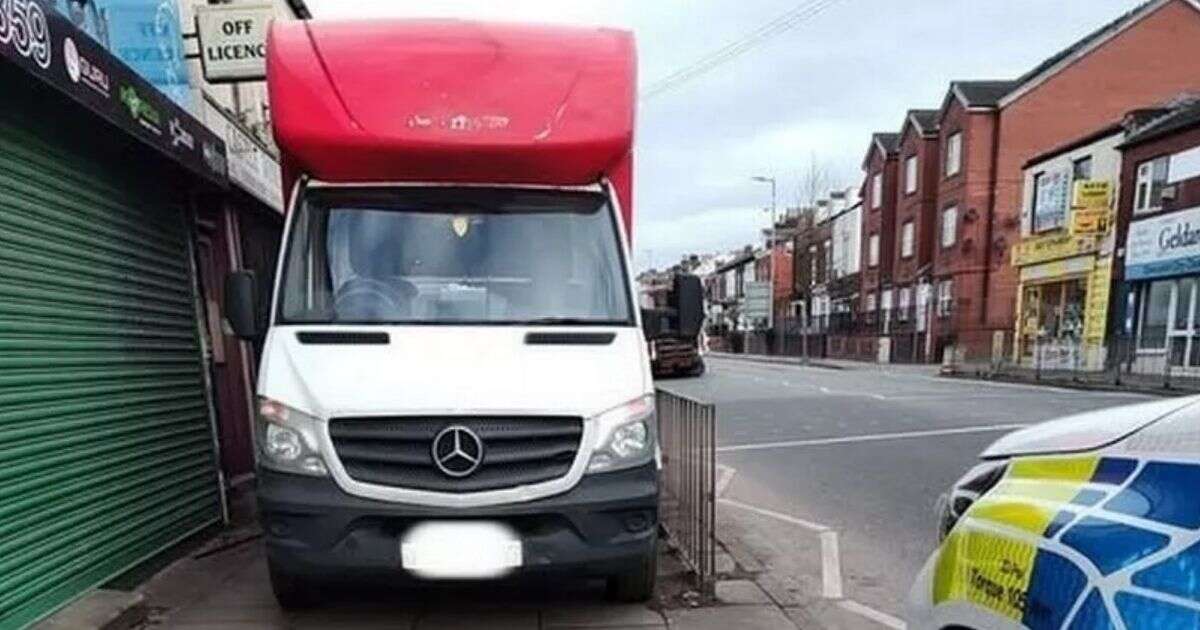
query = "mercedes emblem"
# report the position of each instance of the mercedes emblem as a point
(457, 451)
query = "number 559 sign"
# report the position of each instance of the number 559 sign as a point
(23, 26)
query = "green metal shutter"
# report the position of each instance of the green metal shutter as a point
(106, 450)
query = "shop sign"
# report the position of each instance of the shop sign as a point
(251, 167)
(233, 41)
(44, 43)
(1051, 202)
(1052, 247)
(1165, 245)
(1095, 316)
(1091, 207)
(1058, 269)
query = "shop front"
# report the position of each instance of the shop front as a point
(1062, 304)
(107, 449)
(1162, 272)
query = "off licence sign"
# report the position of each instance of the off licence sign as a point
(1091, 207)
(233, 41)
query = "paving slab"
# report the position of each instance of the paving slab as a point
(741, 592)
(731, 618)
(495, 620)
(99, 609)
(618, 616)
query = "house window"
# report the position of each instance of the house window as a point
(904, 300)
(945, 301)
(953, 154)
(1049, 201)
(1151, 180)
(949, 226)
(906, 240)
(871, 302)
(873, 251)
(877, 190)
(830, 272)
(910, 175)
(812, 265)
(1081, 169)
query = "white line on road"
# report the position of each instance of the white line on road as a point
(878, 437)
(879, 617)
(726, 476)
(831, 566)
(809, 525)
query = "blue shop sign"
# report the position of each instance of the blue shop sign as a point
(1165, 245)
(145, 34)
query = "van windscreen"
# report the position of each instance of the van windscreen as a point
(488, 256)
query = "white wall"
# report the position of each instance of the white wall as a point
(847, 233)
(1106, 166)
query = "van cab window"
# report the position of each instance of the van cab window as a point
(454, 256)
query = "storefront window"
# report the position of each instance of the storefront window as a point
(1052, 316)
(1156, 312)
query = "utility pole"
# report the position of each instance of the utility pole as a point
(770, 251)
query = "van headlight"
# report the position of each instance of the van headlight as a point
(626, 436)
(977, 482)
(287, 440)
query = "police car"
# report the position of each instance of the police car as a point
(1089, 522)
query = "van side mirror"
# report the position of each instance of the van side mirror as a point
(688, 300)
(241, 303)
(651, 323)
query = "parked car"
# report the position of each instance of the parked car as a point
(1075, 523)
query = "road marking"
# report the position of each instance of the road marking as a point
(831, 566)
(877, 437)
(809, 525)
(879, 617)
(727, 473)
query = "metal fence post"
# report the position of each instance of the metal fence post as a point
(688, 432)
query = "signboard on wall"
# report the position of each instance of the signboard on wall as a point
(45, 43)
(1165, 245)
(1051, 201)
(233, 41)
(251, 167)
(1091, 207)
(1052, 247)
(758, 301)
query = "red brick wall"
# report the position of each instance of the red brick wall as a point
(881, 220)
(1152, 61)
(917, 207)
(970, 191)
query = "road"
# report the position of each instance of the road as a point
(861, 452)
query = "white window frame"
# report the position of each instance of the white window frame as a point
(945, 298)
(812, 265)
(907, 239)
(903, 302)
(911, 164)
(871, 302)
(876, 190)
(873, 250)
(1143, 190)
(947, 239)
(954, 154)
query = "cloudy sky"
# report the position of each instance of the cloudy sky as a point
(811, 94)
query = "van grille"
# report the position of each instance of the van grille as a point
(398, 451)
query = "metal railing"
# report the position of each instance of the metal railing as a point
(687, 431)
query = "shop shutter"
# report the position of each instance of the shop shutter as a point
(106, 450)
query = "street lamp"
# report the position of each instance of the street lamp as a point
(770, 251)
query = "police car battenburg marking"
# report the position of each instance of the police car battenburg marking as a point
(1144, 532)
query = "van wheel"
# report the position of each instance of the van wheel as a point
(291, 591)
(637, 584)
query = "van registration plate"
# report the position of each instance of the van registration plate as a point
(440, 550)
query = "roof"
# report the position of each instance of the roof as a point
(925, 120)
(1182, 117)
(978, 94)
(888, 141)
(1064, 57)
(737, 262)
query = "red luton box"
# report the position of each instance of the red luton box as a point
(452, 101)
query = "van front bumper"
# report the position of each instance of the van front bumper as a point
(606, 524)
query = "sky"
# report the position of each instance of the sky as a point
(810, 96)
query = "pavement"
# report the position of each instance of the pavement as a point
(829, 477)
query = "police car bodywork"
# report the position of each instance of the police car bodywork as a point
(1089, 522)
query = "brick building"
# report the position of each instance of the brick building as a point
(879, 226)
(916, 218)
(967, 131)
(1145, 57)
